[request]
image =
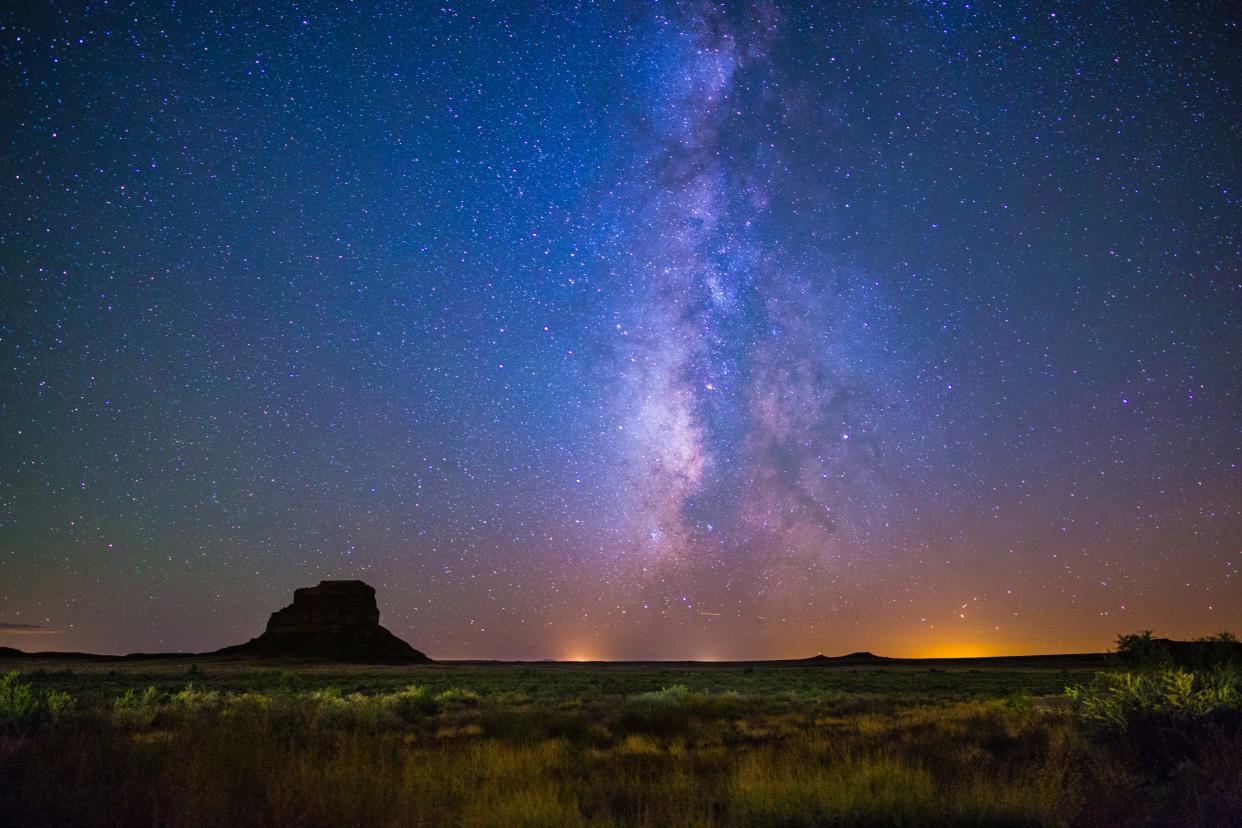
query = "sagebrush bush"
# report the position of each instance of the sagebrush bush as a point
(458, 697)
(412, 703)
(59, 704)
(1119, 699)
(136, 710)
(1171, 728)
(192, 699)
(19, 706)
(24, 709)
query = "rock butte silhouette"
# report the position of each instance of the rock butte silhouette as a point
(335, 621)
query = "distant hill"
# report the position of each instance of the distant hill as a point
(862, 657)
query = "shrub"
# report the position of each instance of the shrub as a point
(193, 699)
(458, 697)
(412, 703)
(1118, 699)
(23, 709)
(59, 704)
(288, 681)
(1141, 651)
(1162, 719)
(1021, 701)
(238, 705)
(658, 712)
(19, 706)
(1218, 652)
(136, 710)
(665, 696)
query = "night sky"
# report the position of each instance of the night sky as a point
(646, 330)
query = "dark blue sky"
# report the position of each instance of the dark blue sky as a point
(623, 330)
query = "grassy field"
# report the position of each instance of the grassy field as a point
(204, 743)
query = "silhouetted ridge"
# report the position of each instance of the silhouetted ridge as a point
(861, 657)
(335, 621)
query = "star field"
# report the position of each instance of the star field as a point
(623, 330)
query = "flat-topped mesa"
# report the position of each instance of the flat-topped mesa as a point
(335, 621)
(330, 605)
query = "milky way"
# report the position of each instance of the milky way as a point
(623, 330)
(702, 405)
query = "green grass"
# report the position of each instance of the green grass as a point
(559, 745)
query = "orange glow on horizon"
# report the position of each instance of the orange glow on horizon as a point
(964, 649)
(580, 655)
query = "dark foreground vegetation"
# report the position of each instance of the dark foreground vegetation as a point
(1152, 742)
